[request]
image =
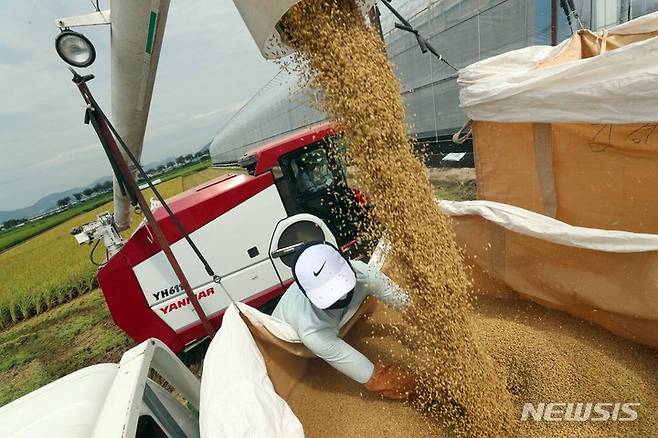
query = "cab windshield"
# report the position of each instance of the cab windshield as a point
(312, 172)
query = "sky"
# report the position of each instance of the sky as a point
(209, 67)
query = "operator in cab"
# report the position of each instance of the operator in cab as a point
(327, 292)
(314, 173)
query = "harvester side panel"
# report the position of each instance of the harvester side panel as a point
(226, 218)
(236, 246)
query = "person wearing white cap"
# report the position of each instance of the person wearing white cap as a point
(327, 291)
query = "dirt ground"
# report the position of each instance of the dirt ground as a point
(440, 174)
(549, 356)
(48, 346)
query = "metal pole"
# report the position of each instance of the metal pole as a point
(554, 22)
(373, 15)
(424, 45)
(132, 186)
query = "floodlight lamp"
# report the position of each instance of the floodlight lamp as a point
(75, 49)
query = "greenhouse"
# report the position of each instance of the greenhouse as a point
(462, 31)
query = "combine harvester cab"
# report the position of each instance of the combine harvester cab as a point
(239, 222)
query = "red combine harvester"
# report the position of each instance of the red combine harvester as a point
(247, 226)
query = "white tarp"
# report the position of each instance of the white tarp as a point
(237, 397)
(281, 329)
(542, 227)
(618, 86)
(278, 328)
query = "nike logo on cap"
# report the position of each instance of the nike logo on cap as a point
(320, 270)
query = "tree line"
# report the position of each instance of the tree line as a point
(106, 186)
(96, 189)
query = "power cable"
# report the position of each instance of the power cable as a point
(91, 255)
(425, 46)
(95, 4)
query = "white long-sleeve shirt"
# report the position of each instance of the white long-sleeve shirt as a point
(318, 328)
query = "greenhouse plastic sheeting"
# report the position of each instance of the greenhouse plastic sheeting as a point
(463, 31)
(279, 108)
(237, 396)
(603, 77)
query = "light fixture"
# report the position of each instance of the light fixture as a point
(75, 49)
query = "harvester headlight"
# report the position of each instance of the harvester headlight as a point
(75, 49)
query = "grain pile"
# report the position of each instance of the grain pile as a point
(548, 355)
(338, 54)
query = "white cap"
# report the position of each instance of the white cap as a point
(323, 274)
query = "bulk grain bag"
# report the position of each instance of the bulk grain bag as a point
(567, 137)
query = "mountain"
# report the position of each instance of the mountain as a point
(100, 180)
(154, 164)
(46, 203)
